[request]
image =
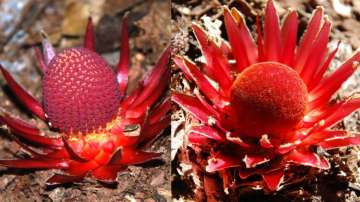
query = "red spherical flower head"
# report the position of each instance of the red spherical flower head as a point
(101, 129)
(268, 98)
(263, 106)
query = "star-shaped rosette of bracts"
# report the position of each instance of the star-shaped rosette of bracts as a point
(101, 129)
(265, 105)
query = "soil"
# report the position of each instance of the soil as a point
(64, 22)
(342, 182)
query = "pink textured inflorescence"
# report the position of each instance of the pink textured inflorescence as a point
(80, 91)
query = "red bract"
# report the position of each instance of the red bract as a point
(265, 105)
(101, 129)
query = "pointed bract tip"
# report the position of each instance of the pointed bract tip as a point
(270, 4)
(90, 20)
(43, 35)
(274, 179)
(2, 69)
(355, 64)
(236, 15)
(48, 49)
(126, 15)
(167, 51)
(125, 21)
(59, 179)
(45, 38)
(319, 8)
(327, 19)
(226, 9)
(290, 10)
(195, 26)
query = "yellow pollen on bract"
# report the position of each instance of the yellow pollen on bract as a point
(238, 17)
(100, 135)
(112, 123)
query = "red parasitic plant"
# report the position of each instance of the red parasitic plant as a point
(264, 106)
(101, 130)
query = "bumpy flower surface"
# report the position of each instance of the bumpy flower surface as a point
(101, 129)
(264, 106)
(80, 91)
